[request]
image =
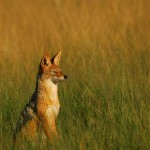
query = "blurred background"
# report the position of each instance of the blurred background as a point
(106, 54)
(53, 24)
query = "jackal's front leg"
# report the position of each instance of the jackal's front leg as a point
(48, 122)
(49, 127)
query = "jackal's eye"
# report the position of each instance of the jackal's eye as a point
(53, 72)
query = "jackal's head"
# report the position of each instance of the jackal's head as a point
(49, 68)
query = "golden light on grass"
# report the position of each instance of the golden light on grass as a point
(105, 52)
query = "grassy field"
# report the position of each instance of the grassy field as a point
(105, 104)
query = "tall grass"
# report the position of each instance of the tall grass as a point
(105, 104)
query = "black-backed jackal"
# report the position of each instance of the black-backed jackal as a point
(43, 107)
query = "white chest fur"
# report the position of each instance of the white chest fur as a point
(52, 111)
(53, 90)
(53, 96)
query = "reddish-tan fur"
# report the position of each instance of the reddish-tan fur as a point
(43, 107)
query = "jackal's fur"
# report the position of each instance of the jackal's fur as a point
(42, 109)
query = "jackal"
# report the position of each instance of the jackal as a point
(43, 107)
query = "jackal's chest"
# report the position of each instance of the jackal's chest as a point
(48, 109)
(52, 110)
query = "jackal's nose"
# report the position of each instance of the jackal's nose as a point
(65, 76)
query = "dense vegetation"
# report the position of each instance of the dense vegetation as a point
(105, 103)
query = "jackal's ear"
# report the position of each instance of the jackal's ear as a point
(56, 58)
(45, 61)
